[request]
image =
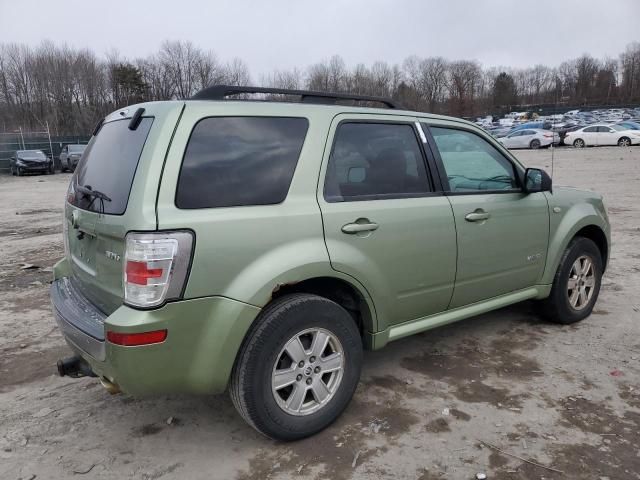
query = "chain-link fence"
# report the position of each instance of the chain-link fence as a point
(10, 142)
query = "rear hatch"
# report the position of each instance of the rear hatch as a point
(113, 191)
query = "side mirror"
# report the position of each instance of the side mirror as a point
(536, 180)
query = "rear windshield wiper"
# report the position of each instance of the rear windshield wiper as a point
(87, 191)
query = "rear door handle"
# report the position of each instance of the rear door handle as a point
(477, 216)
(351, 228)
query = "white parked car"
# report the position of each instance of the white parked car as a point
(530, 138)
(595, 135)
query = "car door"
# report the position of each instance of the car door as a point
(386, 223)
(512, 140)
(526, 137)
(590, 136)
(607, 136)
(502, 233)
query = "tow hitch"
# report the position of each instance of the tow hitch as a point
(74, 367)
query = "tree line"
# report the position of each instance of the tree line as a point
(71, 89)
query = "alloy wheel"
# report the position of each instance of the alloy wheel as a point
(582, 282)
(308, 371)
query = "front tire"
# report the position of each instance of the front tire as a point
(578, 143)
(298, 368)
(624, 142)
(576, 285)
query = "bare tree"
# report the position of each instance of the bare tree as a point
(70, 89)
(462, 79)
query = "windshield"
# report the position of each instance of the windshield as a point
(77, 148)
(108, 166)
(619, 128)
(35, 154)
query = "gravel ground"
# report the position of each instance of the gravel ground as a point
(433, 406)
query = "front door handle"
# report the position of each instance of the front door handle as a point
(478, 215)
(366, 226)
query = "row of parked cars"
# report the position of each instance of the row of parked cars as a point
(36, 161)
(574, 128)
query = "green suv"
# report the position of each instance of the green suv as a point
(260, 246)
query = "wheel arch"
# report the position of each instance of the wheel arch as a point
(597, 236)
(575, 224)
(345, 293)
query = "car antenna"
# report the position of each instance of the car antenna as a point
(553, 130)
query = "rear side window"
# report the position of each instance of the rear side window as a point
(235, 161)
(373, 161)
(108, 166)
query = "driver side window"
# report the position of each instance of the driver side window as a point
(473, 164)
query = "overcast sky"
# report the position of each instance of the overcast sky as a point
(275, 34)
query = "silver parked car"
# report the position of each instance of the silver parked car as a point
(530, 138)
(70, 156)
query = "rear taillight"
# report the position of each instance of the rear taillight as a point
(156, 267)
(548, 135)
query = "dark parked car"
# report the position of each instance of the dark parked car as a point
(70, 156)
(30, 161)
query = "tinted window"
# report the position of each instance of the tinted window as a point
(471, 163)
(590, 130)
(233, 161)
(374, 161)
(109, 164)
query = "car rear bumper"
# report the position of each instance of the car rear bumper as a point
(204, 336)
(80, 322)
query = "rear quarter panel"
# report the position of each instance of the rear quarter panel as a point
(246, 253)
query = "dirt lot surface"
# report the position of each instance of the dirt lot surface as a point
(564, 397)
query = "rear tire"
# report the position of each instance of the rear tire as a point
(267, 402)
(624, 142)
(578, 143)
(535, 144)
(576, 284)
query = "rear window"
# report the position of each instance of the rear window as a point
(235, 161)
(109, 165)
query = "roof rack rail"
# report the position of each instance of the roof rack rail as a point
(219, 92)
